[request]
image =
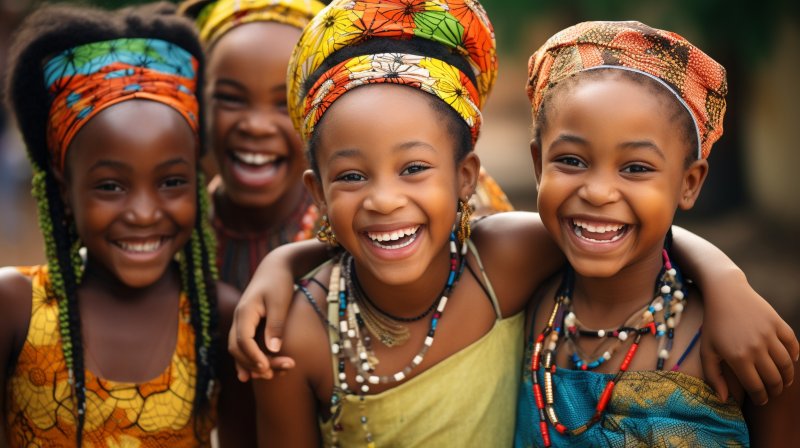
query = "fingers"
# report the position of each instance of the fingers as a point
(277, 309)
(750, 380)
(242, 344)
(789, 340)
(783, 361)
(770, 375)
(713, 373)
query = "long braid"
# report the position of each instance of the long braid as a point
(198, 273)
(65, 269)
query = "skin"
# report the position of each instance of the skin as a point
(246, 91)
(610, 158)
(382, 173)
(132, 197)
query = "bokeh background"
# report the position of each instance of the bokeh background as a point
(749, 207)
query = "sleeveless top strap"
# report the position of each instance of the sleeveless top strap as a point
(486, 284)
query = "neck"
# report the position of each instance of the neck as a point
(99, 282)
(411, 299)
(257, 219)
(607, 302)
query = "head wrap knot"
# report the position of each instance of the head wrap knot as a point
(460, 26)
(696, 80)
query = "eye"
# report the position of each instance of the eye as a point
(109, 187)
(637, 168)
(174, 182)
(414, 168)
(350, 176)
(229, 99)
(571, 161)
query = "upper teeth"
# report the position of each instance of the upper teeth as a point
(393, 235)
(253, 158)
(598, 228)
(141, 247)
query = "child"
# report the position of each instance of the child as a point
(114, 344)
(259, 199)
(624, 116)
(387, 357)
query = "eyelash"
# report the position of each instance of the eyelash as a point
(415, 168)
(571, 161)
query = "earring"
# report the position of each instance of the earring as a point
(325, 232)
(465, 212)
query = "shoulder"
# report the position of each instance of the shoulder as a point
(16, 292)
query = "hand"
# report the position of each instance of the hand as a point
(267, 295)
(747, 334)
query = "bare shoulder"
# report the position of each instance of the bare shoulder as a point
(518, 255)
(15, 298)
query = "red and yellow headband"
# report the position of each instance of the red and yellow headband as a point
(696, 80)
(459, 25)
(87, 79)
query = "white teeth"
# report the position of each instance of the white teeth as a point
(393, 235)
(141, 247)
(578, 232)
(597, 228)
(252, 158)
(395, 246)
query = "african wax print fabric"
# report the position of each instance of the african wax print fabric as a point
(222, 16)
(653, 408)
(40, 409)
(458, 25)
(693, 77)
(84, 80)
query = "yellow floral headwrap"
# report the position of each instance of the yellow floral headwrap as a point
(696, 80)
(221, 16)
(459, 25)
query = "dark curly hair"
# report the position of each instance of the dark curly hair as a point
(51, 30)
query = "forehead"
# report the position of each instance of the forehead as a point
(384, 115)
(139, 131)
(252, 44)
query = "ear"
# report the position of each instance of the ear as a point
(314, 186)
(468, 171)
(693, 178)
(63, 189)
(536, 155)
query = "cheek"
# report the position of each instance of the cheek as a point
(221, 125)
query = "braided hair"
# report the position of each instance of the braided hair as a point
(53, 29)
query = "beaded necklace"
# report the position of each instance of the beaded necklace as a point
(353, 342)
(668, 304)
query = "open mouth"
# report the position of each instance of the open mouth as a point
(598, 232)
(395, 239)
(141, 247)
(253, 159)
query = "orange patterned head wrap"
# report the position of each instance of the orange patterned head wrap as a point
(460, 26)
(696, 80)
(87, 79)
(221, 16)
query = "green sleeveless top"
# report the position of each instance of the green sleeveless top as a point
(468, 399)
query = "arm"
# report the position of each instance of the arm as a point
(740, 327)
(269, 294)
(236, 406)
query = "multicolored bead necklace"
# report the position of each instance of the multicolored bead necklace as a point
(669, 303)
(354, 342)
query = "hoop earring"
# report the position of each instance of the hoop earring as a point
(325, 232)
(465, 212)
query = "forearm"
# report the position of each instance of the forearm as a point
(294, 258)
(702, 261)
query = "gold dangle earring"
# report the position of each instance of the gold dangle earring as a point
(465, 212)
(325, 232)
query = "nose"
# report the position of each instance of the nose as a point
(599, 189)
(385, 197)
(144, 209)
(259, 121)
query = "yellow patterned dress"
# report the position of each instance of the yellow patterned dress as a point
(40, 410)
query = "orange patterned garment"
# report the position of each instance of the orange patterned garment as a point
(40, 410)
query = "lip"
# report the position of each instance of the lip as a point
(384, 250)
(596, 246)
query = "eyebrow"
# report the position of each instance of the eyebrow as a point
(229, 82)
(643, 144)
(413, 144)
(569, 138)
(104, 163)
